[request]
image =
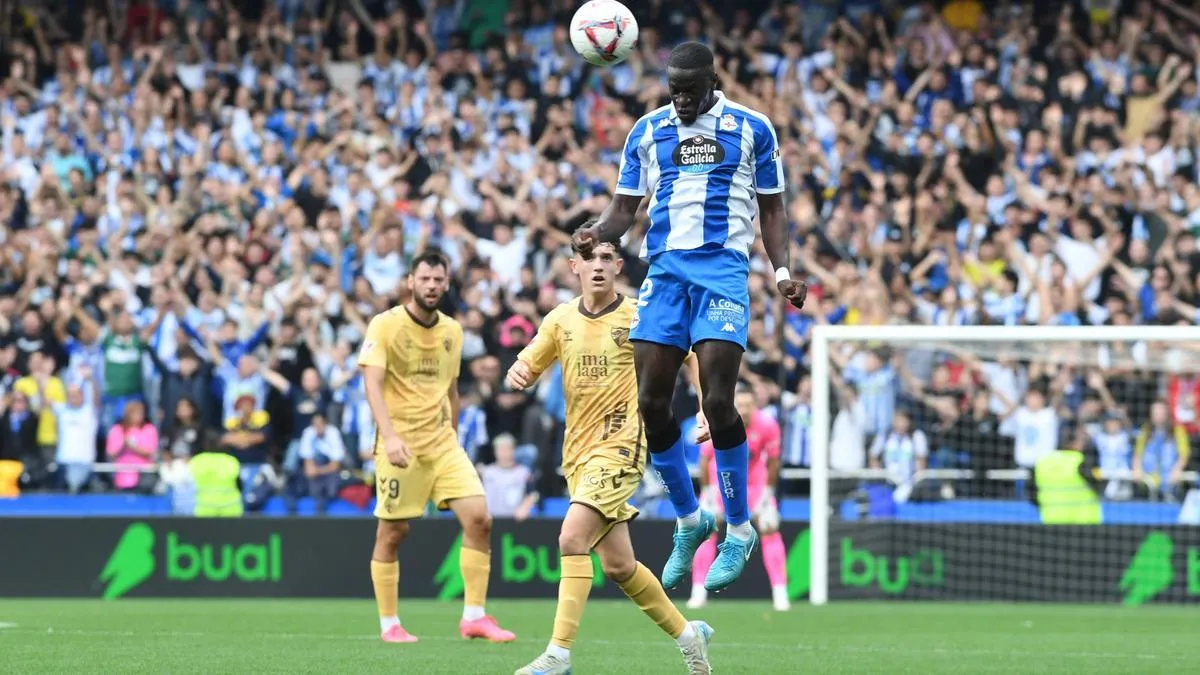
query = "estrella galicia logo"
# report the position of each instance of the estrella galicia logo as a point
(698, 155)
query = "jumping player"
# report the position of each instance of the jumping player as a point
(762, 436)
(410, 358)
(603, 459)
(709, 165)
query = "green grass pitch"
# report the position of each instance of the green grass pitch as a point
(339, 636)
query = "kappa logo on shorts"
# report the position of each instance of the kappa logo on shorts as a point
(620, 336)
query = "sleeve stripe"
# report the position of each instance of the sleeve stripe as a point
(631, 176)
(768, 166)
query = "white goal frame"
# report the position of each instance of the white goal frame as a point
(819, 346)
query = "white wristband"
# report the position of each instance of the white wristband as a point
(782, 274)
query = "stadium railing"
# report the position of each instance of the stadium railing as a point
(1000, 475)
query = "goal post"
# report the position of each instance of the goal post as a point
(1144, 519)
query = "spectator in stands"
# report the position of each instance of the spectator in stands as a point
(1161, 452)
(903, 452)
(848, 437)
(245, 380)
(132, 442)
(507, 484)
(78, 421)
(123, 348)
(472, 423)
(43, 389)
(18, 431)
(323, 455)
(976, 432)
(31, 335)
(1183, 395)
(8, 373)
(1114, 449)
(797, 445)
(304, 400)
(1036, 428)
(186, 436)
(246, 438)
(190, 379)
(876, 385)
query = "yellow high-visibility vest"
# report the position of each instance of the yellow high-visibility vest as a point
(1064, 496)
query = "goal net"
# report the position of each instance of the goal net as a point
(1048, 464)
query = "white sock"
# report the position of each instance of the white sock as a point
(560, 653)
(472, 613)
(687, 635)
(386, 622)
(690, 520)
(779, 594)
(744, 532)
(699, 593)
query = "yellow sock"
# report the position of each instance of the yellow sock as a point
(385, 577)
(573, 590)
(646, 591)
(476, 567)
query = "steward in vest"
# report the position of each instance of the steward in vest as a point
(216, 477)
(1065, 486)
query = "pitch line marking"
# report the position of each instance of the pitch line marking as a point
(641, 643)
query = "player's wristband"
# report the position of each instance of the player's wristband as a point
(782, 274)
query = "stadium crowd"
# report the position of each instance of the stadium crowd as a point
(203, 203)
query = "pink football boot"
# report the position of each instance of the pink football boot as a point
(485, 628)
(397, 634)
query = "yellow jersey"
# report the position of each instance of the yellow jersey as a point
(421, 363)
(55, 392)
(599, 381)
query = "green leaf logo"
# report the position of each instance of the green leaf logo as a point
(449, 576)
(131, 562)
(797, 566)
(1150, 571)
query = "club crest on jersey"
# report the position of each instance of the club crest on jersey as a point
(446, 344)
(698, 155)
(728, 123)
(620, 336)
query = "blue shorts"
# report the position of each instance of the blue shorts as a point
(695, 295)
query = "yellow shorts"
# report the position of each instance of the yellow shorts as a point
(401, 494)
(605, 486)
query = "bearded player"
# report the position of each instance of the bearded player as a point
(709, 166)
(762, 437)
(603, 459)
(410, 358)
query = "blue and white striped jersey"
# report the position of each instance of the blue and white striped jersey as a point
(703, 178)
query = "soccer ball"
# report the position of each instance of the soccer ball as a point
(604, 32)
